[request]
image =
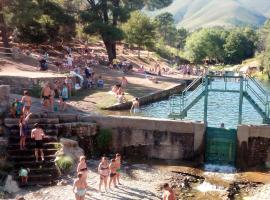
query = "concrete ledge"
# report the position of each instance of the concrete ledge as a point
(151, 98)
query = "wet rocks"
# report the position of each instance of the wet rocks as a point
(241, 187)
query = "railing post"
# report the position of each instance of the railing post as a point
(206, 99)
(241, 95)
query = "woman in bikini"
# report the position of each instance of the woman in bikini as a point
(103, 170)
(24, 129)
(79, 187)
(82, 167)
(112, 168)
(118, 167)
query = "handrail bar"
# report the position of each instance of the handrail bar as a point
(257, 84)
(257, 95)
(192, 84)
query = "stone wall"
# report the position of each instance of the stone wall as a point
(155, 138)
(18, 83)
(253, 146)
(150, 98)
(4, 98)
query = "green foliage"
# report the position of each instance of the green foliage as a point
(140, 30)
(65, 163)
(40, 21)
(220, 45)
(6, 166)
(104, 138)
(35, 91)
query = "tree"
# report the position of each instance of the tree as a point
(41, 20)
(240, 45)
(266, 56)
(139, 30)
(3, 27)
(164, 22)
(182, 35)
(206, 44)
(103, 17)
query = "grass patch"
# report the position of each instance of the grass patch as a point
(65, 163)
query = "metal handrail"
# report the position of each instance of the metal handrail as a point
(257, 95)
(257, 84)
(192, 84)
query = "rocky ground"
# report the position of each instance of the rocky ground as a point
(262, 193)
(138, 182)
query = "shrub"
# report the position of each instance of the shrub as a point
(65, 163)
(6, 166)
(104, 138)
(35, 91)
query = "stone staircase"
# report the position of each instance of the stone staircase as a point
(41, 173)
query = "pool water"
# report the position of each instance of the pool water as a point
(223, 107)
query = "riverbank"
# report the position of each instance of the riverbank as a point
(144, 181)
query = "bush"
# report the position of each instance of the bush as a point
(6, 166)
(35, 91)
(104, 139)
(65, 163)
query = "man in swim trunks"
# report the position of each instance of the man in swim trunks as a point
(79, 187)
(168, 193)
(112, 168)
(135, 106)
(118, 167)
(46, 94)
(38, 134)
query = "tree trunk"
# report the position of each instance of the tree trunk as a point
(111, 50)
(3, 27)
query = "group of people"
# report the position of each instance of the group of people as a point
(118, 90)
(109, 173)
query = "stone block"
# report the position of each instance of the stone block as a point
(66, 118)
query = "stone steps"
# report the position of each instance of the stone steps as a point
(37, 178)
(29, 152)
(48, 132)
(38, 171)
(14, 122)
(34, 164)
(16, 138)
(41, 173)
(20, 158)
(31, 145)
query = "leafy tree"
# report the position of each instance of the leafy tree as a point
(181, 37)
(206, 44)
(3, 26)
(103, 17)
(240, 45)
(41, 20)
(140, 30)
(166, 27)
(266, 56)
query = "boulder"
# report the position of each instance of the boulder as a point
(70, 148)
(11, 186)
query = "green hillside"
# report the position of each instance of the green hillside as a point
(193, 14)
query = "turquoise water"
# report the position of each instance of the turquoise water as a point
(222, 108)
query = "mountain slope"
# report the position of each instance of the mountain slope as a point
(194, 14)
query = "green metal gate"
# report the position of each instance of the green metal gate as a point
(220, 146)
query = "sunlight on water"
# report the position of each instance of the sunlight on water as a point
(208, 187)
(222, 108)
